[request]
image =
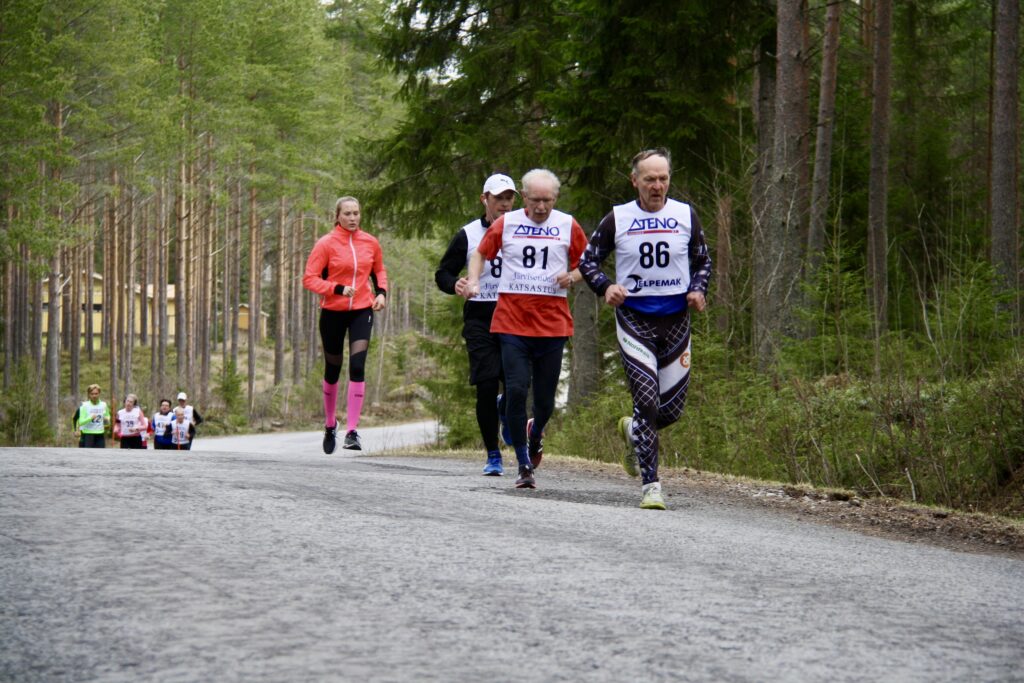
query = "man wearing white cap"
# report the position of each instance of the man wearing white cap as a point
(192, 415)
(485, 371)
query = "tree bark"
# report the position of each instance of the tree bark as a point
(777, 244)
(296, 316)
(181, 234)
(823, 146)
(110, 302)
(255, 264)
(280, 282)
(131, 227)
(1004, 207)
(878, 182)
(585, 356)
(725, 302)
(53, 322)
(236, 268)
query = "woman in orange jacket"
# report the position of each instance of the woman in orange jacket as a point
(346, 268)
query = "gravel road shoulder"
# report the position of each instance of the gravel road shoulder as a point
(882, 517)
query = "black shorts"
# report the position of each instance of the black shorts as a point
(334, 324)
(91, 441)
(484, 350)
(132, 442)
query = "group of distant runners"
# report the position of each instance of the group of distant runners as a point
(519, 265)
(169, 429)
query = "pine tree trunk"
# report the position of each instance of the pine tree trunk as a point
(763, 97)
(54, 317)
(90, 289)
(280, 282)
(778, 246)
(144, 248)
(74, 349)
(823, 146)
(189, 297)
(585, 358)
(111, 302)
(130, 265)
(878, 182)
(236, 268)
(180, 293)
(296, 315)
(724, 298)
(255, 263)
(1004, 206)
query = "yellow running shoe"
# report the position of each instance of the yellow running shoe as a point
(652, 499)
(629, 461)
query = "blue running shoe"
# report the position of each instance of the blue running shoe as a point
(493, 467)
(506, 435)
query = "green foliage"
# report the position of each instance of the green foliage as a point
(23, 416)
(913, 434)
(229, 390)
(452, 400)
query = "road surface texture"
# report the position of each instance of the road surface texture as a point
(374, 439)
(296, 566)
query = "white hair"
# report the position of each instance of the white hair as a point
(536, 174)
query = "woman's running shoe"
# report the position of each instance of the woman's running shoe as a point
(629, 461)
(526, 479)
(493, 467)
(506, 435)
(651, 499)
(536, 446)
(329, 439)
(352, 441)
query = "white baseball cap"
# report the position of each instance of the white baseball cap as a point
(182, 396)
(499, 183)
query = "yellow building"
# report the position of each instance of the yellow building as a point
(97, 309)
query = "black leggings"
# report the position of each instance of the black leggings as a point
(333, 326)
(655, 353)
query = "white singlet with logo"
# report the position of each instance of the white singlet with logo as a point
(160, 422)
(533, 254)
(179, 432)
(652, 250)
(492, 269)
(130, 420)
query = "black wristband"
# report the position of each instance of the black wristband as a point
(339, 290)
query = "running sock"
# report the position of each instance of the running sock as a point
(356, 391)
(330, 404)
(494, 454)
(523, 455)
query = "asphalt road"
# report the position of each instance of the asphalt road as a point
(296, 566)
(374, 439)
